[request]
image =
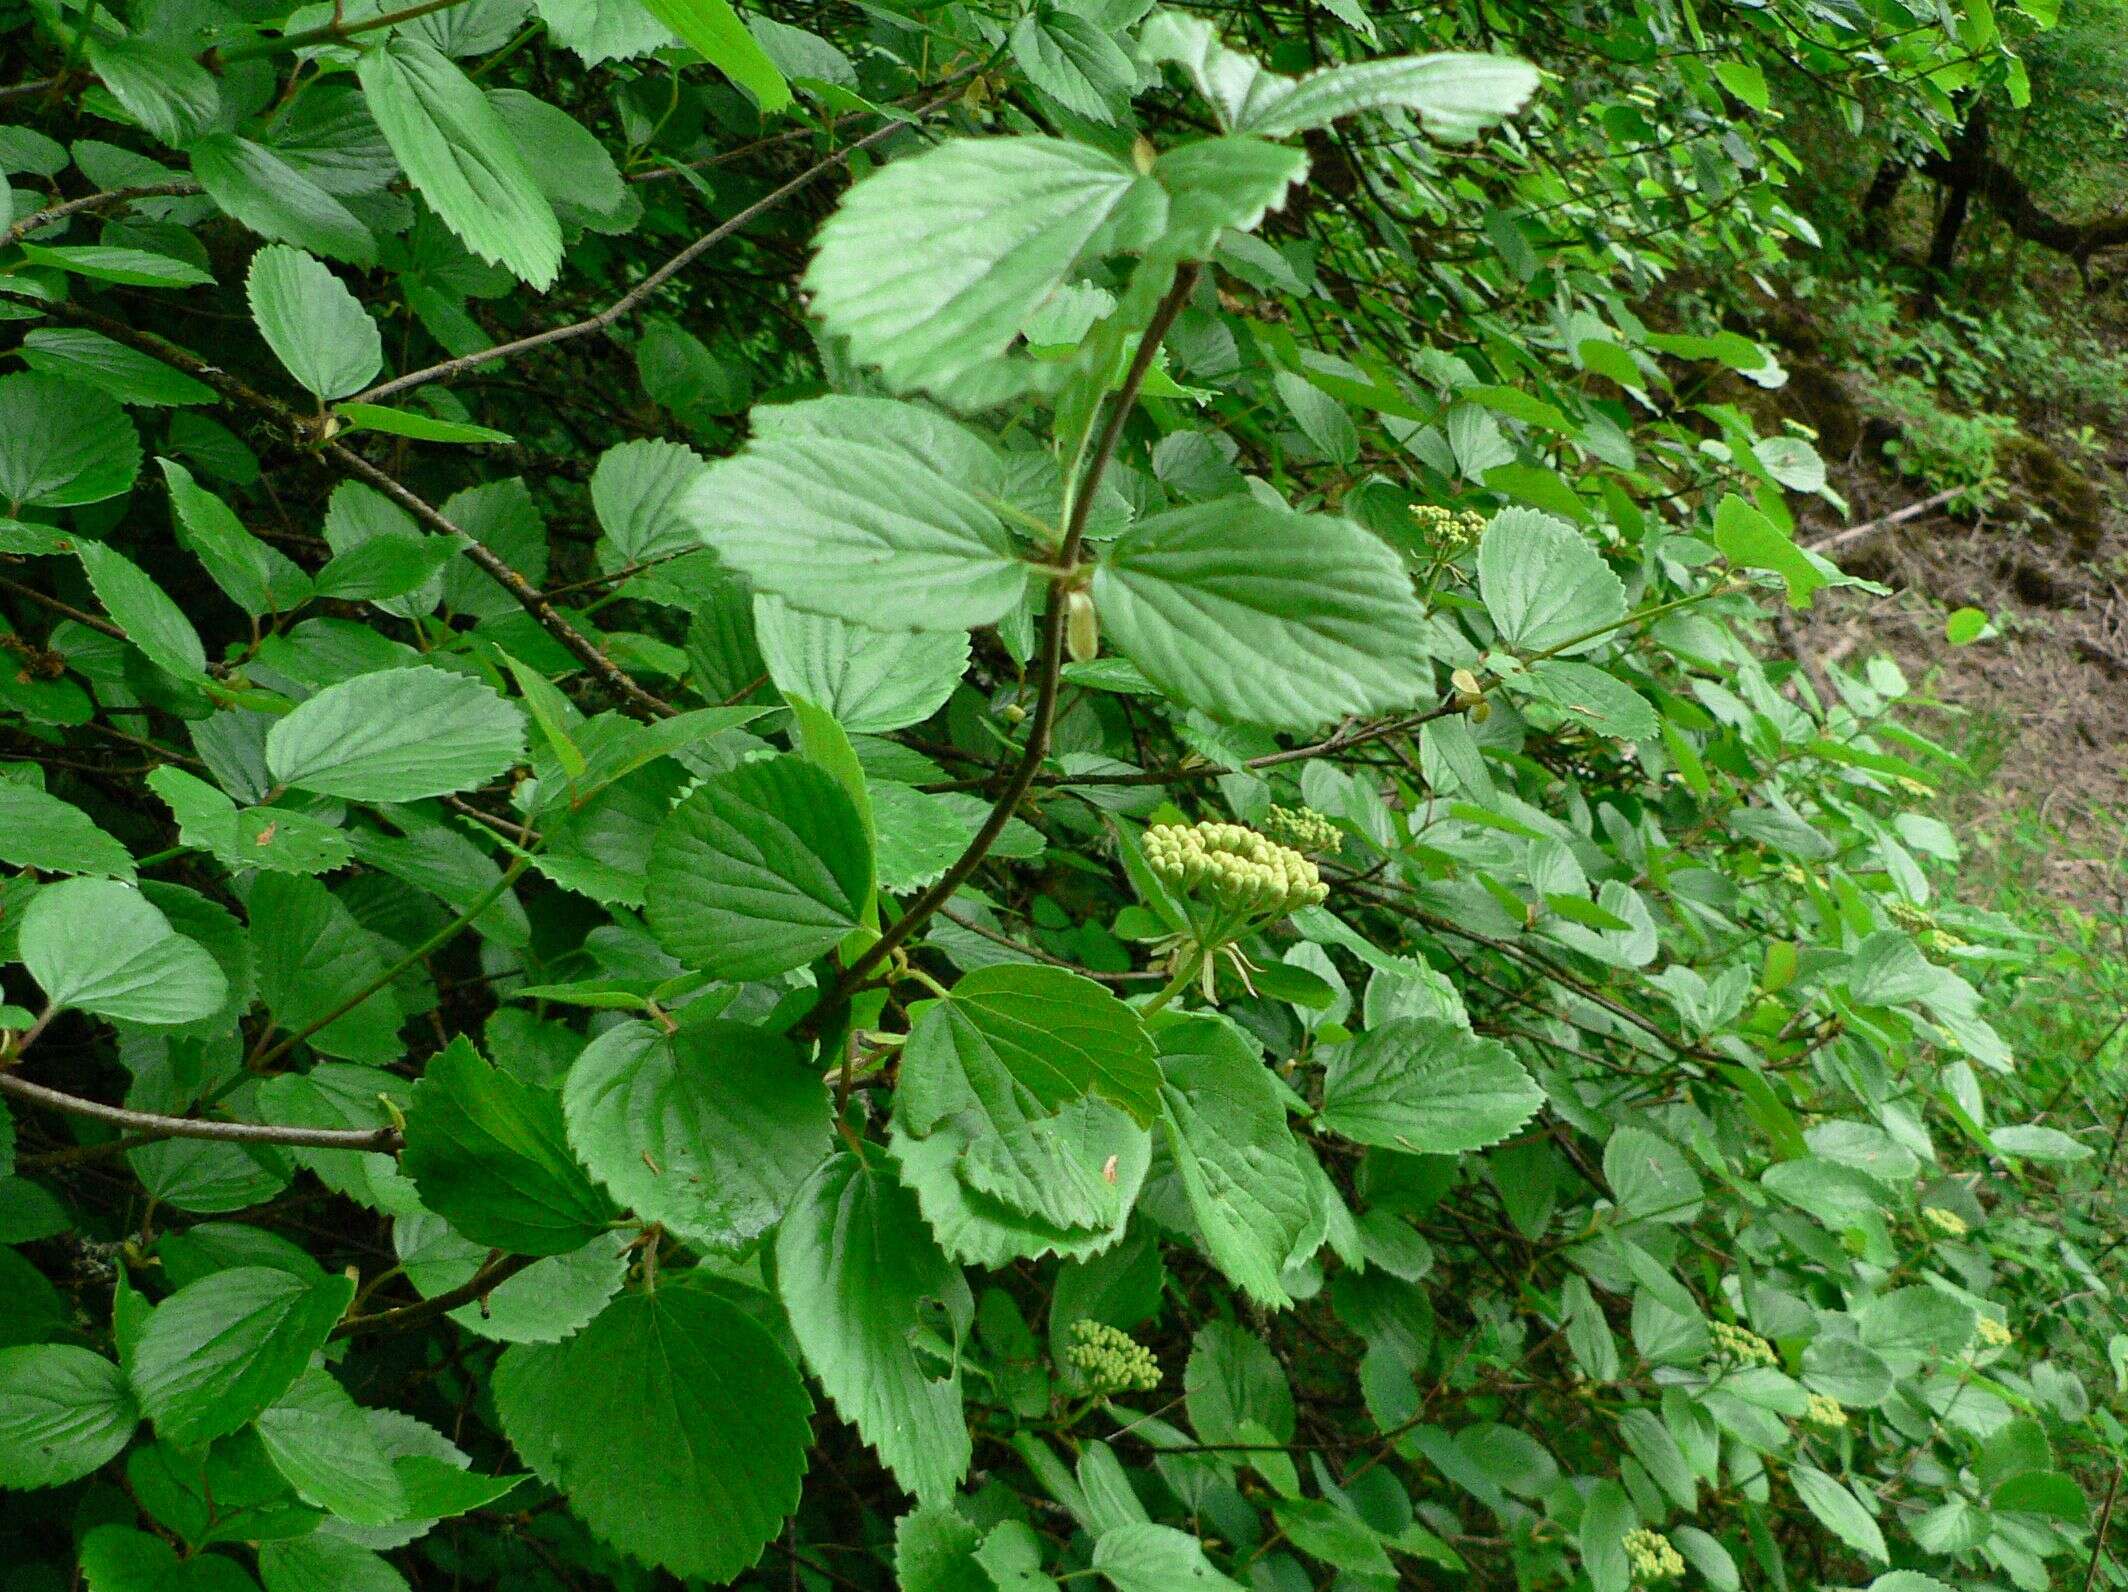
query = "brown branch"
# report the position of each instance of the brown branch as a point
(1043, 719)
(1883, 522)
(643, 703)
(383, 1141)
(38, 220)
(627, 303)
(482, 1283)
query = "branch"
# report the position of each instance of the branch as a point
(38, 220)
(329, 33)
(381, 1140)
(482, 1283)
(616, 679)
(1883, 522)
(1043, 719)
(626, 304)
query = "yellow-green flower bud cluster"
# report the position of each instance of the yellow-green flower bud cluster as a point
(1948, 1223)
(1233, 868)
(1742, 1346)
(1825, 1412)
(1652, 1557)
(1909, 917)
(1302, 828)
(1111, 1360)
(1995, 1334)
(1450, 530)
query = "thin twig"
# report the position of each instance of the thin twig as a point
(38, 220)
(1884, 522)
(382, 1140)
(482, 1283)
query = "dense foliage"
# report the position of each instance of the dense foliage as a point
(961, 797)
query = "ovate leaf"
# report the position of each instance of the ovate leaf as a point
(396, 736)
(220, 1350)
(63, 1413)
(878, 512)
(931, 267)
(674, 1424)
(857, 1269)
(1545, 586)
(62, 444)
(1839, 1511)
(1199, 598)
(489, 1153)
(1423, 1085)
(320, 1440)
(314, 325)
(461, 157)
(99, 946)
(709, 1130)
(760, 870)
(148, 615)
(872, 681)
(1457, 96)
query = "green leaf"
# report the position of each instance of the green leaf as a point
(120, 1559)
(62, 444)
(877, 512)
(1650, 1178)
(317, 329)
(124, 373)
(1545, 587)
(1748, 83)
(640, 492)
(935, 1551)
(461, 156)
(931, 267)
(420, 427)
(551, 1299)
(322, 1563)
(1961, 629)
(1238, 1160)
(319, 1440)
(713, 30)
(1423, 1085)
(1915, 1326)
(396, 736)
(1138, 1556)
(1072, 60)
(1839, 1511)
(98, 946)
(339, 1095)
(674, 1424)
(1199, 597)
(490, 1154)
(64, 1413)
(151, 620)
(1457, 96)
(312, 958)
(41, 831)
(1590, 698)
(709, 1131)
(170, 94)
(2034, 1142)
(1749, 540)
(872, 681)
(761, 870)
(1792, 462)
(126, 267)
(857, 1268)
(278, 200)
(259, 579)
(218, 1351)
(1062, 1036)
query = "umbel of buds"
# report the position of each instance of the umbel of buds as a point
(1652, 1557)
(1741, 1346)
(1449, 530)
(1109, 1360)
(1819, 1410)
(1302, 828)
(1230, 881)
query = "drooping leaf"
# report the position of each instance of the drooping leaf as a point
(277, 200)
(218, 1351)
(62, 443)
(856, 1267)
(461, 156)
(713, 29)
(674, 1424)
(38, 830)
(78, 354)
(64, 1412)
(317, 1438)
(491, 1155)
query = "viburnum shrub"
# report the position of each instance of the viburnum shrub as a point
(1155, 914)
